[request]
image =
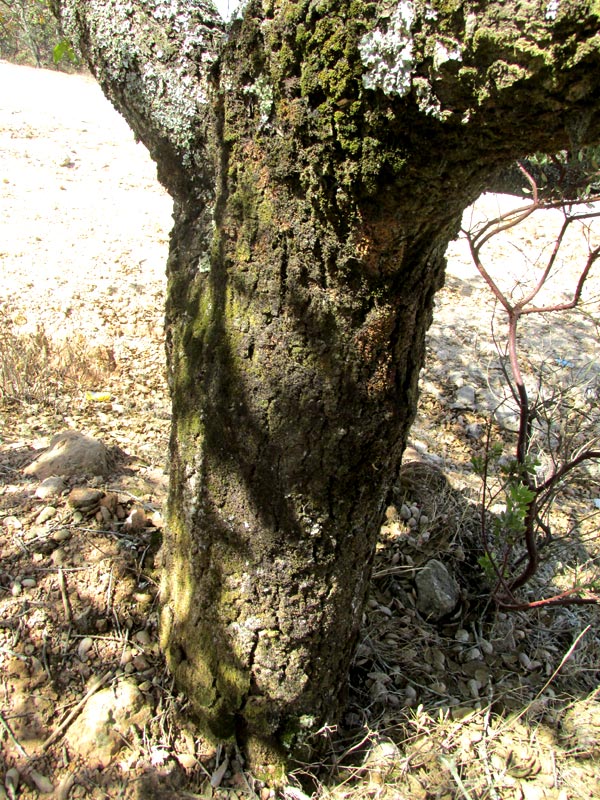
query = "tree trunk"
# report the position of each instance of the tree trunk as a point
(294, 368)
(320, 157)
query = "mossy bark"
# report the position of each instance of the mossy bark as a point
(315, 190)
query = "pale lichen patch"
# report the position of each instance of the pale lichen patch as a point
(441, 54)
(389, 54)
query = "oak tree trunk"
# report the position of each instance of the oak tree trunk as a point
(320, 156)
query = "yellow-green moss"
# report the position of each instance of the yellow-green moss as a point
(445, 6)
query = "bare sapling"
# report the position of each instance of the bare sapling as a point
(551, 428)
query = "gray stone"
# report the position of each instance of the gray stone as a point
(474, 430)
(73, 454)
(51, 487)
(465, 397)
(437, 591)
(507, 419)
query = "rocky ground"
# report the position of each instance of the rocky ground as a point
(476, 704)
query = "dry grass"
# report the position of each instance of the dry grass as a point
(35, 367)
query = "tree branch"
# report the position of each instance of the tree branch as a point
(152, 59)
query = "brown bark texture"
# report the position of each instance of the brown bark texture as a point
(320, 155)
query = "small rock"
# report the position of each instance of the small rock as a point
(101, 729)
(71, 453)
(61, 535)
(487, 647)
(85, 499)
(405, 512)
(53, 486)
(58, 556)
(532, 791)
(16, 588)
(140, 663)
(47, 513)
(85, 645)
(507, 419)
(157, 520)
(11, 781)
(420, 447)
(382, 757)
(42, 784)
(28, 583)
(110, 502)
(437, 591)
(474, 430)
(187, 760)
(142, 637)
(136, 521)
(465, 397)
(525, 661)
(12, 523)
(105, 515)
(462, 635)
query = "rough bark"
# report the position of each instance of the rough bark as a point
(320, 157)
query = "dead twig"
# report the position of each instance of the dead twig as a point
(65, 597)
(12, 737)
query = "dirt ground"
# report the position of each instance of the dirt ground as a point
(482, 705)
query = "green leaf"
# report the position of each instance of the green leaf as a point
(64, 49)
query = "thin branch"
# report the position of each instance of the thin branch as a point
(563, 599)
(544, 277)
(586, 455)
(12, 737)
(592, 257)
